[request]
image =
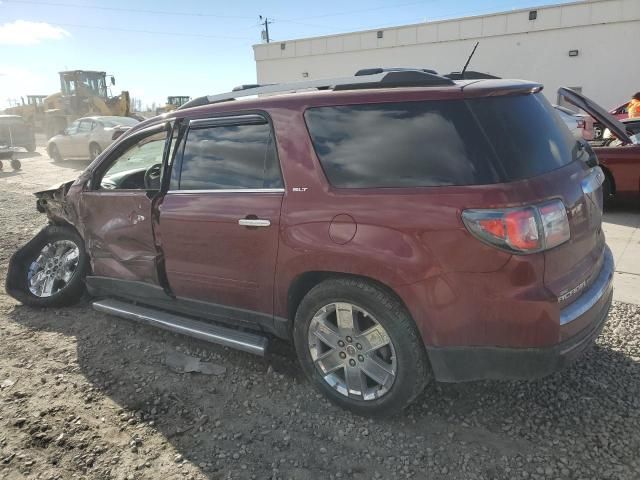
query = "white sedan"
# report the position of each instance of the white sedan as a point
(87, 137)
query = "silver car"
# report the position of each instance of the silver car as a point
(87, 137)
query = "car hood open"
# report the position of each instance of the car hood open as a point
(596, 111)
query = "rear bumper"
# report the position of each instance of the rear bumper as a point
(459, 364)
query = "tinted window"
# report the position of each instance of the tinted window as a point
(411, 144)
(526, 134)
(230, 157)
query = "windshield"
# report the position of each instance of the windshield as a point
(118, 121)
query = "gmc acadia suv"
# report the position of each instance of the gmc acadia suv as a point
(397, 226)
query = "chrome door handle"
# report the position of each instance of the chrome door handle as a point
(254, 222)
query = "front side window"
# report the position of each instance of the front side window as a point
(85, 126)
(139, 167)
(73, 128)
(409, 144)
(230, 157)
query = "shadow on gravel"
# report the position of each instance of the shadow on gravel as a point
(265, 407)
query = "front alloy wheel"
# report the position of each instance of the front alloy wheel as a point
(352, 351)
(53, 268)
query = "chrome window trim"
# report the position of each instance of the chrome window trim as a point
(250, 119)
(229, 190)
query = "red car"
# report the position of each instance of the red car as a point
(396, 226)
(619, 157)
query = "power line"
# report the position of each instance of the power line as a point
(152, 32)
(129, 10)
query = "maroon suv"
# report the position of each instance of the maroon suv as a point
(396, 225)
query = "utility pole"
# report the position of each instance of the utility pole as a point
(265, 33)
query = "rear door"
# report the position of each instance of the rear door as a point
(219, 221)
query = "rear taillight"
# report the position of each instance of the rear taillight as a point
(520, 230)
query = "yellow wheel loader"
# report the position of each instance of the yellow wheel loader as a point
(82, 93)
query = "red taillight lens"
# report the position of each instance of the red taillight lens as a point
(520, 230)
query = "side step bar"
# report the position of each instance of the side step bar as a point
(247, 342)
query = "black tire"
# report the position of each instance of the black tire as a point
(607, 194)
(31, 148)
(17, 277)
(412, 373)
(94, 151)
(15, 164)
(54, 153)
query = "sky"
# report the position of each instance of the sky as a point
(156, 48)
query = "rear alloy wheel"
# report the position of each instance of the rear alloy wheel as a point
(94, 151)
(359, 346)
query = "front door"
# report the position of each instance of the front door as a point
(65, 142)
(219, 221)
(117, 210)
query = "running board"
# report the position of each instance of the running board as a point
(229, 337)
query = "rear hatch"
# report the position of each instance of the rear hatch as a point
(532, 143)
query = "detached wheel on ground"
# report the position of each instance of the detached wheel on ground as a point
(50, 270)
(360, 347)
(94, 151)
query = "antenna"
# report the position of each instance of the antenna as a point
(464, 69)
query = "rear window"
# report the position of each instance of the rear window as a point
(528, 138)
(409, 144)
(230, 157)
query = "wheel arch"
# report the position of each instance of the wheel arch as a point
(304, 282)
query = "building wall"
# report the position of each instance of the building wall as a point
(605, 33)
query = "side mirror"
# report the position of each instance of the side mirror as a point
(63, 132)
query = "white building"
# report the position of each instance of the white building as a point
(591, 45)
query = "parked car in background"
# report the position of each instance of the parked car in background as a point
(620, 112)
(16, 132)
(619, 155)
(581, 126)
(87, 137)
(396, 225)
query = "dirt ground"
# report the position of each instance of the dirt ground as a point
(88, 396)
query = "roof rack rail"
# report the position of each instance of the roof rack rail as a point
(385, 79)
(374, 70)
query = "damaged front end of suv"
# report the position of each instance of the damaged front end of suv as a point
(49, 270)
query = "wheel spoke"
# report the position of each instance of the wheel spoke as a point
(47, 286)
(326, 333)
(330, 362)
(355, 381)
(344, 318)
(373, 338)
(69, 257)
(377, 370)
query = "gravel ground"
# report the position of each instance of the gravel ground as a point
(84, 395)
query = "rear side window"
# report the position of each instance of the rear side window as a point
(527, 136)
(230, 157)
(409, 144)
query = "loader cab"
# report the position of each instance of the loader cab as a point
(93, 83)
(177, 101)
